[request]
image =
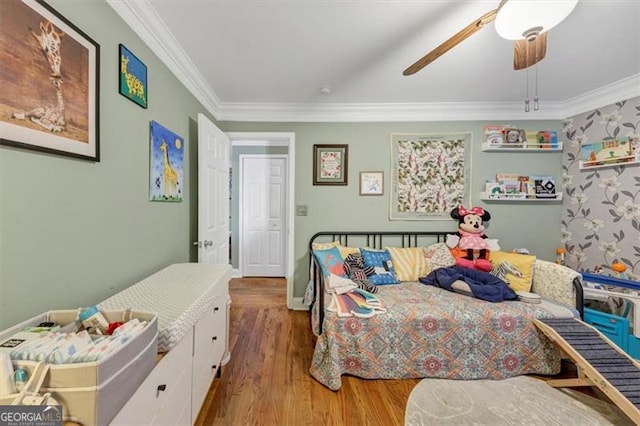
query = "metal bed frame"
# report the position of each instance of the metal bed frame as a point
(377, 240)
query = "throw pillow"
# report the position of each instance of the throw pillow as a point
(324, 246)
(330, 261)
(516, 268)
(382, 264)
(346, 251)
(408, 262)
(358, 273)
(437, 256)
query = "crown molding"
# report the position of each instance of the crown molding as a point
(626, 88)
(144, 20)
(398, 112)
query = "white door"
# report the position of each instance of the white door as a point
(263, 215)
(213, 193)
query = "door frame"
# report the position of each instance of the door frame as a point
(241, 205)
(278, 139)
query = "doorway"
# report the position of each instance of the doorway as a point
(263, 215)
(278, 144)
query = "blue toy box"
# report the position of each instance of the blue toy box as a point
(617, 328)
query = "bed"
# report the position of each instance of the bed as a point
(427, 331)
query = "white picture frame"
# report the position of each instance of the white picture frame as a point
(371, 183)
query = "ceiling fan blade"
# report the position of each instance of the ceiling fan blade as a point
(459, 37)
(527, 53)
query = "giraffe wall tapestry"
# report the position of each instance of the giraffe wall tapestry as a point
(49, 75)
(429, 175)
(133, 77)
(166, 164)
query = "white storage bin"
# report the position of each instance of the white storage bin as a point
(93, 392)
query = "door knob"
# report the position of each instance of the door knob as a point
(207, 243)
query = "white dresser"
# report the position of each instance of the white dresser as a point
(192, 302)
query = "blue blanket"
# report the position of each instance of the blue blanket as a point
(483, 285)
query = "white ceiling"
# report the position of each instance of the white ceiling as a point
(255, 56)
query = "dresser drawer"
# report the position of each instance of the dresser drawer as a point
(177, 405)
(153, 393)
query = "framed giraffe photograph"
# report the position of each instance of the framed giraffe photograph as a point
(166, 164)
(50, 79)
(133, 77)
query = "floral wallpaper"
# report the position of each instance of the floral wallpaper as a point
(601, 208)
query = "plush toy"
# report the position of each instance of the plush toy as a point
(470, 238)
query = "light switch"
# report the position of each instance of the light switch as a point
(301, 210)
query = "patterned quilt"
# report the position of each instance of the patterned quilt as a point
(431, 332)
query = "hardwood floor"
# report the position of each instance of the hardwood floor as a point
(267, 380)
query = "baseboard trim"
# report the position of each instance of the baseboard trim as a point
(235, 273)
(297, 305)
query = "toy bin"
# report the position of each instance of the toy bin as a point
(92, 393)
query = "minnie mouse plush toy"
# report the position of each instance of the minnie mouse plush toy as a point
(471, 238)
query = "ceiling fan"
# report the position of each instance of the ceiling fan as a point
(524, 21)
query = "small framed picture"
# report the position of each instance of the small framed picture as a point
(330, 164)
(133, 77)
(371, 183)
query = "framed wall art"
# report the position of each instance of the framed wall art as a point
(429, 175)
(330, 164)
(166, 166)
(371, 183)
(49, 74)
(133, 77)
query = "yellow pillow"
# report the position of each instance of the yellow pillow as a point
(325, 246)
(346, 251)
(522, 262)
(408, 262)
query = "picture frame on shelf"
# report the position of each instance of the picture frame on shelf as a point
(330, 164)
(133, 77)
(371, 183)
(50, 82)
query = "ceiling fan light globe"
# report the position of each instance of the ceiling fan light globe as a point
(516, 18)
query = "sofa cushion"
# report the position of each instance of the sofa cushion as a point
(383, 265)
(521, 262)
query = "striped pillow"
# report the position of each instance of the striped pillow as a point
(409, 263)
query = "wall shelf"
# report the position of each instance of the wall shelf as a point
(519, 148)
(598, 164)
(505, 199)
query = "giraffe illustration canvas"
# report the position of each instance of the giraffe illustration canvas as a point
(49, 76)
(133, 77)
(166, 164)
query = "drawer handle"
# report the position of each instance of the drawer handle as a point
(213, 367)
(216, 309)
(214, 338)
(162, 388)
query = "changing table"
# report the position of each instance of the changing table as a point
(192, 302)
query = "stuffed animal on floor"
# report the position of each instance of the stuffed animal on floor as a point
(471, 238)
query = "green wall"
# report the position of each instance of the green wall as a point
(74, 232)
(532, 225)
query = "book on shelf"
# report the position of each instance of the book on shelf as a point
(493, 134)
(545, 186)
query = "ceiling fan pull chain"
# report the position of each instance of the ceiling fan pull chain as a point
(526, 101)
(535, 98)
